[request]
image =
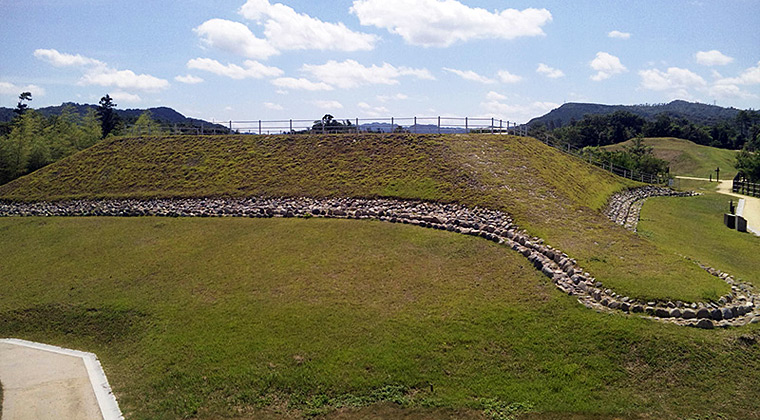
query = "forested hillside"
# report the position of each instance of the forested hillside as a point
(605, 129)
(695, 112)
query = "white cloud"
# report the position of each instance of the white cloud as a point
(728, 87)
(495, 96)
(396, 97)
(234, 37)
(300, 84)
(122, 96)
(619, 35)
(327, 104)
(59, 59)
(350, 74)
(189, 79)
(100, 74)
(123, 79)
(750, 76)
(549, 72)
(373, 111)
(273, 106)
(673, 79)
(252, 69)
(286, 29)
(517, 112)
(606, 65)
(728, 91)
(507, 77)
(441, 23)
(712, 58)
(470, 75)
(7, 88)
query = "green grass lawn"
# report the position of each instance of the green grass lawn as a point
(552, 195)
(249, 318)
(690, 159)
(693, 226)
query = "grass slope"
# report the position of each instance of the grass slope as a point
(554, 196)
(693, 226)
(690, 159)
(260, 318)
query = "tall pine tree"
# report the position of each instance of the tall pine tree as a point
(108, 117)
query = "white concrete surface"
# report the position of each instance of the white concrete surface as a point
(47, 382)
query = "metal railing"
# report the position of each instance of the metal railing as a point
(417, 125)
(606, 165)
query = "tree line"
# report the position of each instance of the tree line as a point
(31, 141)
(603, 130)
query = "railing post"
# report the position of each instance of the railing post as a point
(201, 129)
(291, 125)
(415, 125)
(259, 127)
(466, 128)
(439, 124)
(357, 126)
(491, 125)
(500, 126)
(393, 129)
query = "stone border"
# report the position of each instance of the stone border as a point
(493, 225)
(624, 208)
(109, 408)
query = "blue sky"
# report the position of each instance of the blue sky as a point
(264, 59)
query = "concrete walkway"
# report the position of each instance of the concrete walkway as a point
(47, 382)
(751, 208)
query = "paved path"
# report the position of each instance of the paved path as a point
(46, 382)
(751, 210)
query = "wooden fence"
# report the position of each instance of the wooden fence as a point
(742, 186)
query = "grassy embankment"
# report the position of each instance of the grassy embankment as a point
(690, 159)
(202, 318)
(693, 226)
(552, 195)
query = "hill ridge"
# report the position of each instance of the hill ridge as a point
(695, 112)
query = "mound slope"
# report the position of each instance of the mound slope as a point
(553, 196)
(688, 158)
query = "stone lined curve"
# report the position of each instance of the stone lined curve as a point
(493, 225)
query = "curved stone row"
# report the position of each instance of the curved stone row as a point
(496, 226)
(624, 207)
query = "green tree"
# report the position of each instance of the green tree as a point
(748, 165)
(145, 124)
(25, 143)
(21, 107)
(107, 114)
(91, 130)
(62, 134)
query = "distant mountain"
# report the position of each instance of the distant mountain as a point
(160, 114)
(693, 111)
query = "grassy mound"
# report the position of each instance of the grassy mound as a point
(269, 318)
(690, 159)
(554, 196)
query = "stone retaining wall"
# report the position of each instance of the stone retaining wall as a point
(624, 208)
(738, 308)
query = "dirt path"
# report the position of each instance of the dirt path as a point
(45, 382)
(751, 210)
